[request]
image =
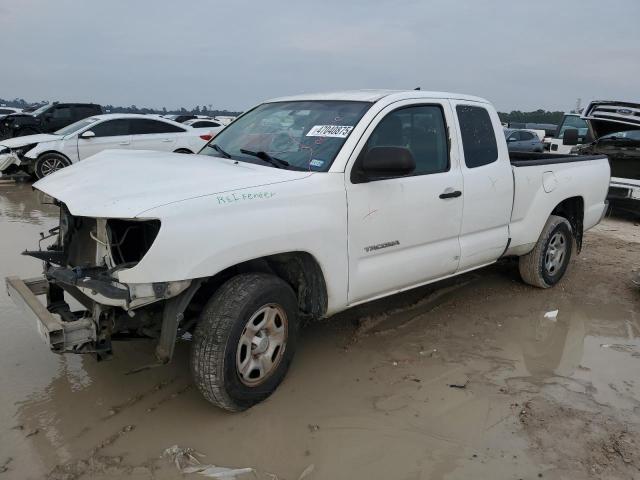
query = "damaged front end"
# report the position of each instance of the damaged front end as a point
(82, 264)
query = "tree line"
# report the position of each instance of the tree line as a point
(197, 110)
(536, 116)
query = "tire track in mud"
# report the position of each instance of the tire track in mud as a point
(95, 462)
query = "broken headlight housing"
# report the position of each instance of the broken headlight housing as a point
(130, 240)
(21, 151)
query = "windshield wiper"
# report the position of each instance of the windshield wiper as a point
(219, 149)
(262, 155)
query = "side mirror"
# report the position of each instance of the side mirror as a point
(385, 162)
(87, 134)
(570, 136)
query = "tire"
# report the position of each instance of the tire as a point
(547, 263)
(232, 366)
(49, 163)
(183, 150)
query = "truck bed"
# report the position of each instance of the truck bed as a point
(547, 180)
(529, 159)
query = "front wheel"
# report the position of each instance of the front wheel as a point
(245, 340)
(49, 163)
(547, 263)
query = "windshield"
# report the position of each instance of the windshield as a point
(300, 135)
(41, 109)
(573, 121)
(624, 135)
(74, 127)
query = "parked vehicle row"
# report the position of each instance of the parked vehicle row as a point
(46, 119)
(303, 207)
(42, 154)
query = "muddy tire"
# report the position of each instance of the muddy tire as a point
(547, 263)
(245, 340)
(50, 163)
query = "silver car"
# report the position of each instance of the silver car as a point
(523, 141)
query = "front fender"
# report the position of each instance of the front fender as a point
(204, 236)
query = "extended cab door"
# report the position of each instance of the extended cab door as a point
(149, 134)
(488, 184)
(109, 134)
(403, 231)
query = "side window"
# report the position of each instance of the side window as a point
(478, 138)
(111, 128)
(62, 113)
(142, 126)
(422, 130)
(205, 124)
(526, 136)
(84, 111)
(515, 137)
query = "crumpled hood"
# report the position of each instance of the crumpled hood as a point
(126, 183)
(18, 142)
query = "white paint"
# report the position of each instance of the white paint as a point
(216, 213)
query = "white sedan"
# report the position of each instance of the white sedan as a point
(43, 154)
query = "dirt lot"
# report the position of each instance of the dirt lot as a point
(466, 379)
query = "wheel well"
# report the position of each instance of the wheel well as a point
(573, 210)
(182, 150)
(298, 269)
(56, 152)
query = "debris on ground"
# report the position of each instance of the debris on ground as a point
(552, 315)
(306, 472)
(459, 385)
(186, 461)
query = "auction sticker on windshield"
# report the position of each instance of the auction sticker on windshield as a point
(336, 131)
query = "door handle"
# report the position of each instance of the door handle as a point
(124, 143)
(167, 140)
(451, 194)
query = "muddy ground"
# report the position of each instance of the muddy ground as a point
(465, 379)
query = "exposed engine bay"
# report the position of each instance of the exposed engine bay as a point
(83, 263)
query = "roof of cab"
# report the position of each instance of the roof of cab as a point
(375, 95)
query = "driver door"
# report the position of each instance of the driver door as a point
(404, 231)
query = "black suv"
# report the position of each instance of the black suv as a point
(46, 119)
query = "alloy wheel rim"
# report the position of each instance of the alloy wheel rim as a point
(51, 165)
(261, 345)
(556, 253)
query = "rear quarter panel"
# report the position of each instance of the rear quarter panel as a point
(540, 188)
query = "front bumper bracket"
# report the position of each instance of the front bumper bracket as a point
(61, 336)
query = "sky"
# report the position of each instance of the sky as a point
(521, 55)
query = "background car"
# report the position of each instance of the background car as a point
(43, 154)
(46, 119)
(523, 141)
(4, 111)
(209, 123)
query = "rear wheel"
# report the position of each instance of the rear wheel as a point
(547, 263)
(49, 163)
(245, 340)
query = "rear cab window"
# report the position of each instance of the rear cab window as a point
(478, 136)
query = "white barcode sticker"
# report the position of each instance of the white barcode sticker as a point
(336, 131)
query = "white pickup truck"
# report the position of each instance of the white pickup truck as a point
(303, 207)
